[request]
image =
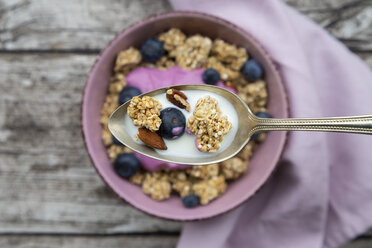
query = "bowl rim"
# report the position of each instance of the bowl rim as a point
(213, 18)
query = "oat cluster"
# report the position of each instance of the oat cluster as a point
(210, 189)
(145, 112)
(229, 54)
(127, 60)
(157, 186)
(208, 124)
(255, 95)
(172, 39)
(193, 53)
(188, 52)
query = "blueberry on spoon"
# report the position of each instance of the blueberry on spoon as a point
(173, 123)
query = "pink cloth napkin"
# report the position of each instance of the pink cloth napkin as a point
(321, 195)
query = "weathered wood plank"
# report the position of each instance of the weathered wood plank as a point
(89, 25)
(359, 243)
(70, 24)
(348, 20)
(140, 241)
(50, 183)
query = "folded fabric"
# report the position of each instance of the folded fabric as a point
(321, 195)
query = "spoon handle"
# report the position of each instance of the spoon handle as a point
(349, 124)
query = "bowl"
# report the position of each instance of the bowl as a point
(262, 163)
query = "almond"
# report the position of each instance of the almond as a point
(151, 139)
(178, 98)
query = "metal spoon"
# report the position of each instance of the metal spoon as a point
(247, 126)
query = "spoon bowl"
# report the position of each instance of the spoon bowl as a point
(245, 123)
(248, 124)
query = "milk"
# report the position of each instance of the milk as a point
(185, 145)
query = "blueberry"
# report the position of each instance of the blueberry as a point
(190, 201)
(127, 93)
(152, 50)
(262, 115)
(211, 76)
(252, 70)
(126, 165)
(116, 141)
(173, 123)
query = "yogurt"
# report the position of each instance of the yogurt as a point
(185, 145)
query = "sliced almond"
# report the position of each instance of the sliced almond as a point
(151, 139)
(178, 98)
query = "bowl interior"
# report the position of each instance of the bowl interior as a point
(261, 166)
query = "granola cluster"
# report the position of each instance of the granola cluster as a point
(209, 189)
(208, 124)
(229, 54)
(172, 39)
(193, 53)
(127, 60)
(157, 186)
(255, 95)
(207, 182)
(145, 112)
(188, 52)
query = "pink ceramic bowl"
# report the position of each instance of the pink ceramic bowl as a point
(265, 157)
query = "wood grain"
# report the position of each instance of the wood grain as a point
(51, 196)
(63, 241)
(51, 184)
(365, 242)
(84, 26)
(69, 24)
(348, 20)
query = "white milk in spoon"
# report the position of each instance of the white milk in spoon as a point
(185, 145)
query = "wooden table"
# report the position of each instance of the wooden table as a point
(50, 194)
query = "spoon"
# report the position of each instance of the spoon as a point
(248, 125)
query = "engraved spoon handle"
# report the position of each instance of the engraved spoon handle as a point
(349, 124)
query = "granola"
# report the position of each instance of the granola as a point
(157, 186)
(165, 63)
(208, 125)
(114, 150)
(233, 168)
(254, 94)
(183, 188)
(127, 60)
(225, 72)
(145, 112)
(137, 178)
(204, 171)
(229, 54)
(208, 190)
(106, 137)
(193, 53)
(247, 151)
(172, 39)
